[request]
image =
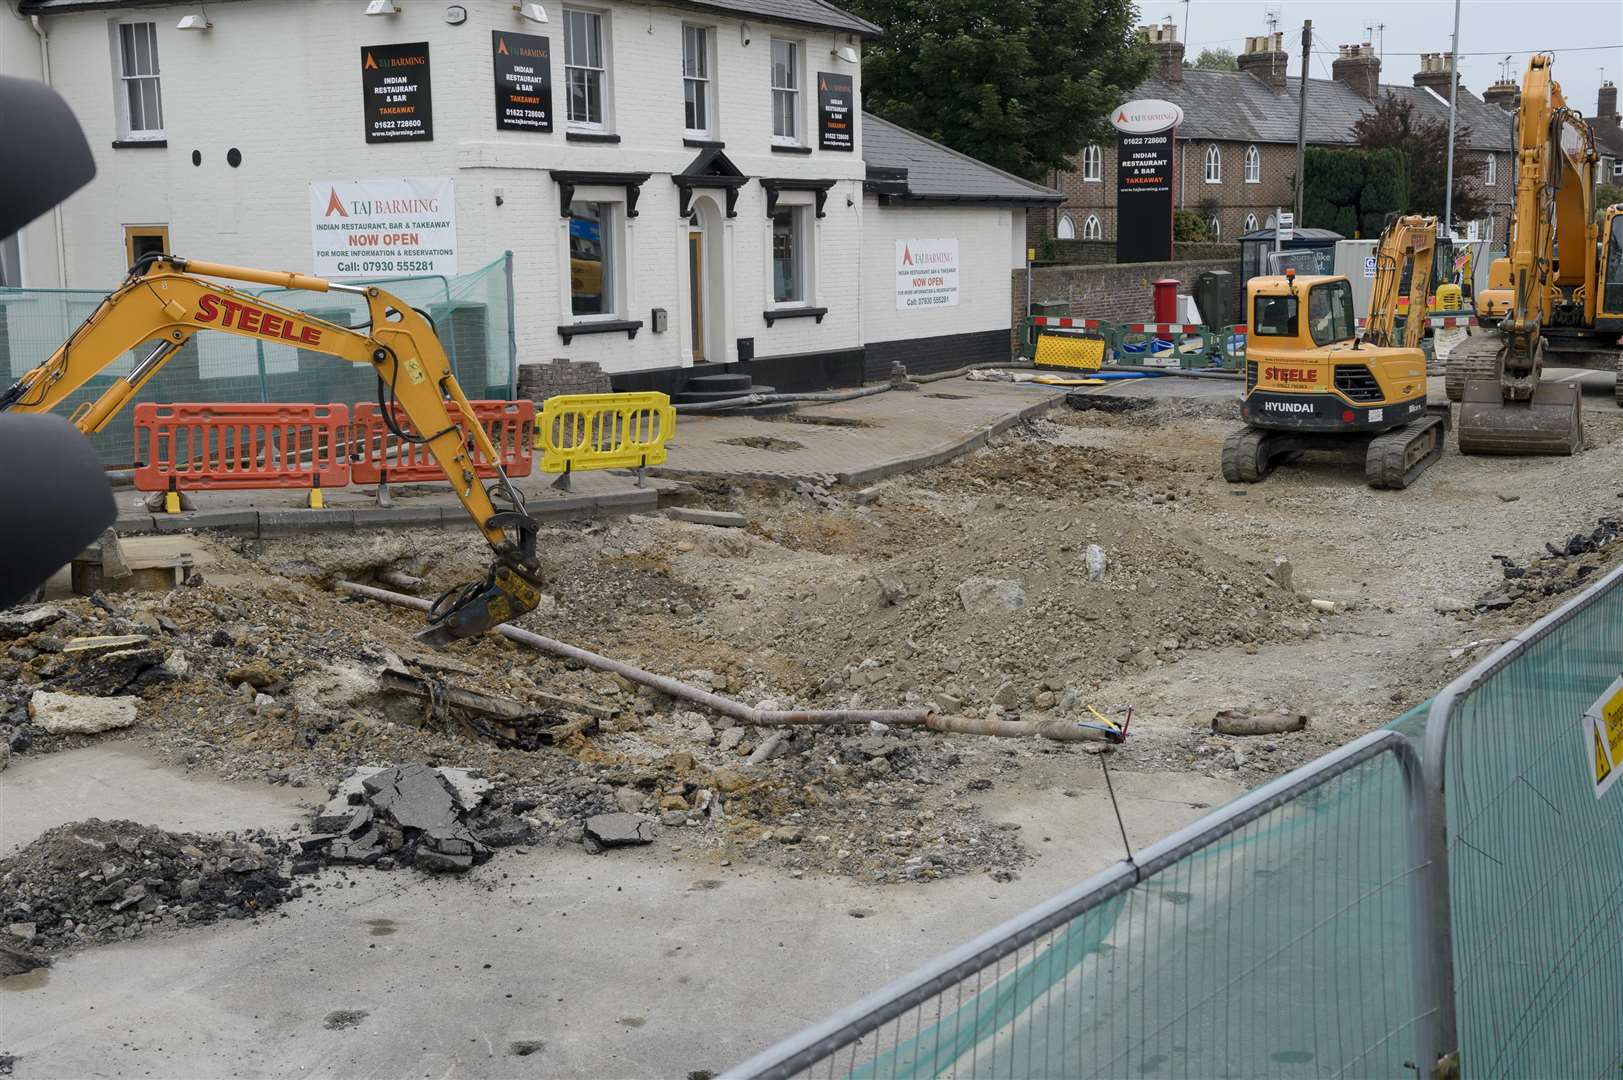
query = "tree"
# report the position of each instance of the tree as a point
(1606, 195)
(1394, 125)
(1022, 84)
(1217, 60)
(1352, 191)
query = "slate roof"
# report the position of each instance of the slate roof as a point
(1608, 137)
(1235, 105)
(801, 12)
(936, 173)
(815, 13)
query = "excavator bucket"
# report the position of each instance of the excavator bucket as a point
(1551, 423)
(470, 611)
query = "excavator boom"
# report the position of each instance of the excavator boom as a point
(166, 300)
(1406, 242)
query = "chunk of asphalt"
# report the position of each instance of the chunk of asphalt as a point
(620, 829)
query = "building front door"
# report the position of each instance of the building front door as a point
(696, 291)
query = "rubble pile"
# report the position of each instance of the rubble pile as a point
(1560, 569)
(411, 815)
(98, 881)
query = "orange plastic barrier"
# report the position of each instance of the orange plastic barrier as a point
(379, 457)
(234, 447)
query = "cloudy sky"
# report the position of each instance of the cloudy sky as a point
(1584, 35)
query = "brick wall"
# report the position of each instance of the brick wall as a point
(1120, 292)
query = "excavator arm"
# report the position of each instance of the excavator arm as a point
(166, 300)
(1409, 241)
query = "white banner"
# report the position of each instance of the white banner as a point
(383, 228)
(926, 274)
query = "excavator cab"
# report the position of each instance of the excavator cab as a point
(1493, 302)
(1609, 316)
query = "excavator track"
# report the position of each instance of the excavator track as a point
(1476, 357)
(1396, 458)
(1247, 457)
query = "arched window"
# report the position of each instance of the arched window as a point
(1092, 162)
(1250, 222)
(1214, 165)
(1066, 229)
(1214, 227)
(1253, 166)
(1090, 228)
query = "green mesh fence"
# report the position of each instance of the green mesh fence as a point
(471, 313)
(1535, 859)
(1271, 939)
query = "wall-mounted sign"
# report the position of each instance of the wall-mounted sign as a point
(835, 126)
(1144, 197)
(383, 228)
(523, 64)
(1147, 116)
(1286, 226)
(398, 106)
(926, 274)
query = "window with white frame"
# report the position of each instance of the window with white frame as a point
(1253, 166)
(591, 259)
(1250, 222)
(1492, 175)
(1092, 163)
(140, 102)
(586, 76)
(791, 255)
(785, 91)
(1214, 165)
(696, 94)
(1214, 227)
(1091, 229)
(1066, 229)
(1617, 167)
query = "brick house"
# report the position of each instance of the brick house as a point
(1608, 127)
(1235, 158)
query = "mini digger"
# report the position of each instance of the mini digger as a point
(1311, 383)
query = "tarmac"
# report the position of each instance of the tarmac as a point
(639, 962)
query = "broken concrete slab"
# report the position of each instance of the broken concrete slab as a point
(620, 829)
(15, 624)
(721, 519)
(73, 714)
(398, 815)
(89, 646)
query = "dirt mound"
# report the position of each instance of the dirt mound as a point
(97, 881)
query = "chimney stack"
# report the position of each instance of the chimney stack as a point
(1168, 51)
(1436, 71)
(1359, 68)
(1606, 104)
(1504, 93)
(1265, 59)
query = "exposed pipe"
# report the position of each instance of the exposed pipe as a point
(1192, 373)
(742, 400)
(937, 376)
(1058, 730)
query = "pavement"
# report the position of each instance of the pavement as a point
(647, 961)
(858, 442)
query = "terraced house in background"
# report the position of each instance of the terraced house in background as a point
(1235, 158)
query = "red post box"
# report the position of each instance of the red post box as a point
(1166, 300)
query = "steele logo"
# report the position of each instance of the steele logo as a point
(1287, 406)
(1290, 374)
(253, 320)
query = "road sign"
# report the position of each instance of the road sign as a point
(1287, 224)
(1369, 266)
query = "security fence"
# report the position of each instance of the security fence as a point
(1304, 929)
(473, 314)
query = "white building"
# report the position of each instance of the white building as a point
(707, 192)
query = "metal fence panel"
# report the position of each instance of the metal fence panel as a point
(471, 312)
(1535, 859)
(1272, 938)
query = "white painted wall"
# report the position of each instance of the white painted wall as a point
(279, 80)
(21, 57)
(986, 236)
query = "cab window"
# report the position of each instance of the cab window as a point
(1612, 292)
(1330, 312)
(1274, 316)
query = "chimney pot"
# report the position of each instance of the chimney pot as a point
(1265, 59)
(1359, 69)
(1606, 103)
(1169, 51)
(1436, 71)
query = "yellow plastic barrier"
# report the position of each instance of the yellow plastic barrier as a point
(603, 431)
(1070, 350)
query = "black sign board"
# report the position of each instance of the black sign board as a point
(397, 106)
(1144, 197)
(835, 130)
(523, 64)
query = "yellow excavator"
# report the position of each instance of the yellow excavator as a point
(1555, 298)
(1312, 384)
(165, 300)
